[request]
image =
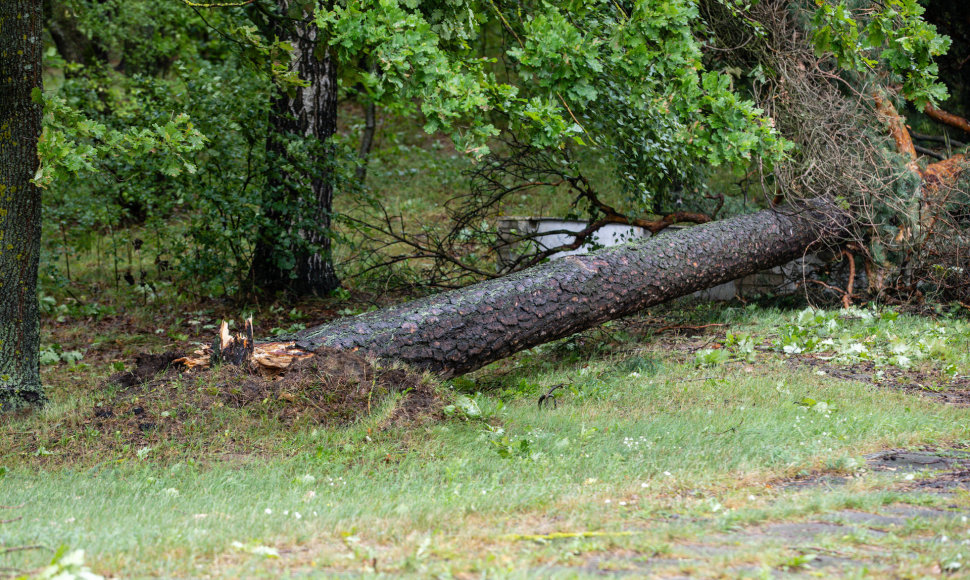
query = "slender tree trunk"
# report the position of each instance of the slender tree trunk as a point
(21, 43)
(366, 139)
(72, 44)
(459, 331)
(293, 250)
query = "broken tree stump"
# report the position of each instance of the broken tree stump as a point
(235, 349)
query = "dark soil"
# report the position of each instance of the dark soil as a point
(161, 404)
(147, 365)
(333, 387)
(941, 469)
(930, 383)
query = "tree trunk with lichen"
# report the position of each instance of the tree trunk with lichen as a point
(293, 249)
(21, 43)
(459, 331)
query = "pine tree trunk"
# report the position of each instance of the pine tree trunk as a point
(21, 43)
(293, 249)
(459, 331)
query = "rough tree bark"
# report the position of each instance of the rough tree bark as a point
(290, 254)
(459, 331)
(21, 43)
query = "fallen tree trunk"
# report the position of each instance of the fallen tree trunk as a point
(462, 330)
(459, 331)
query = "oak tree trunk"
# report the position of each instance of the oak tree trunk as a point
(293, 248)
(462, 330)
(21, 42)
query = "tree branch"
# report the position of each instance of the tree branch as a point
(948, 119)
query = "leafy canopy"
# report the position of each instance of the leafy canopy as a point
(173, 118)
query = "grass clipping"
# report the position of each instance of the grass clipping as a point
(158, 400)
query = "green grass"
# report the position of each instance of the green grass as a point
(638, 436)
(658, 442)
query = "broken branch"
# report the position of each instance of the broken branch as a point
(948, 119)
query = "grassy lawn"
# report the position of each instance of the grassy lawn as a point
(705, 441)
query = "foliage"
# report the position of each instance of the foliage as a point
(464, 408)
(889, 45)
(856, 334)
(408, 60)
(710, 357)
(53, 354)
(72, 143)
(889, 35)
(818, 69)
(175, 133)
(167, 128)
(67, 565)
(628, 84)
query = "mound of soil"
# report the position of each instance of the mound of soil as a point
(159, 399)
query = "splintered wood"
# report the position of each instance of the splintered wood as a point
(270, 359)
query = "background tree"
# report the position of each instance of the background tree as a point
(21, 47)
(293, 245)
(631, 93)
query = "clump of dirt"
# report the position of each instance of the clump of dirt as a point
(147, 365)
(159, 402)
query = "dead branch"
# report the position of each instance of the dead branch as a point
(466, 250)
(22, 548)
(897, 130)
(928, 152)
(944, 173)
(8, 571)
(685, 327)
(653, 226)
(827, 286)
(945, 140)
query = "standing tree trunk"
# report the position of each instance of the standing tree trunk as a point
(21, 42)
(293, 249)
(73, 45)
